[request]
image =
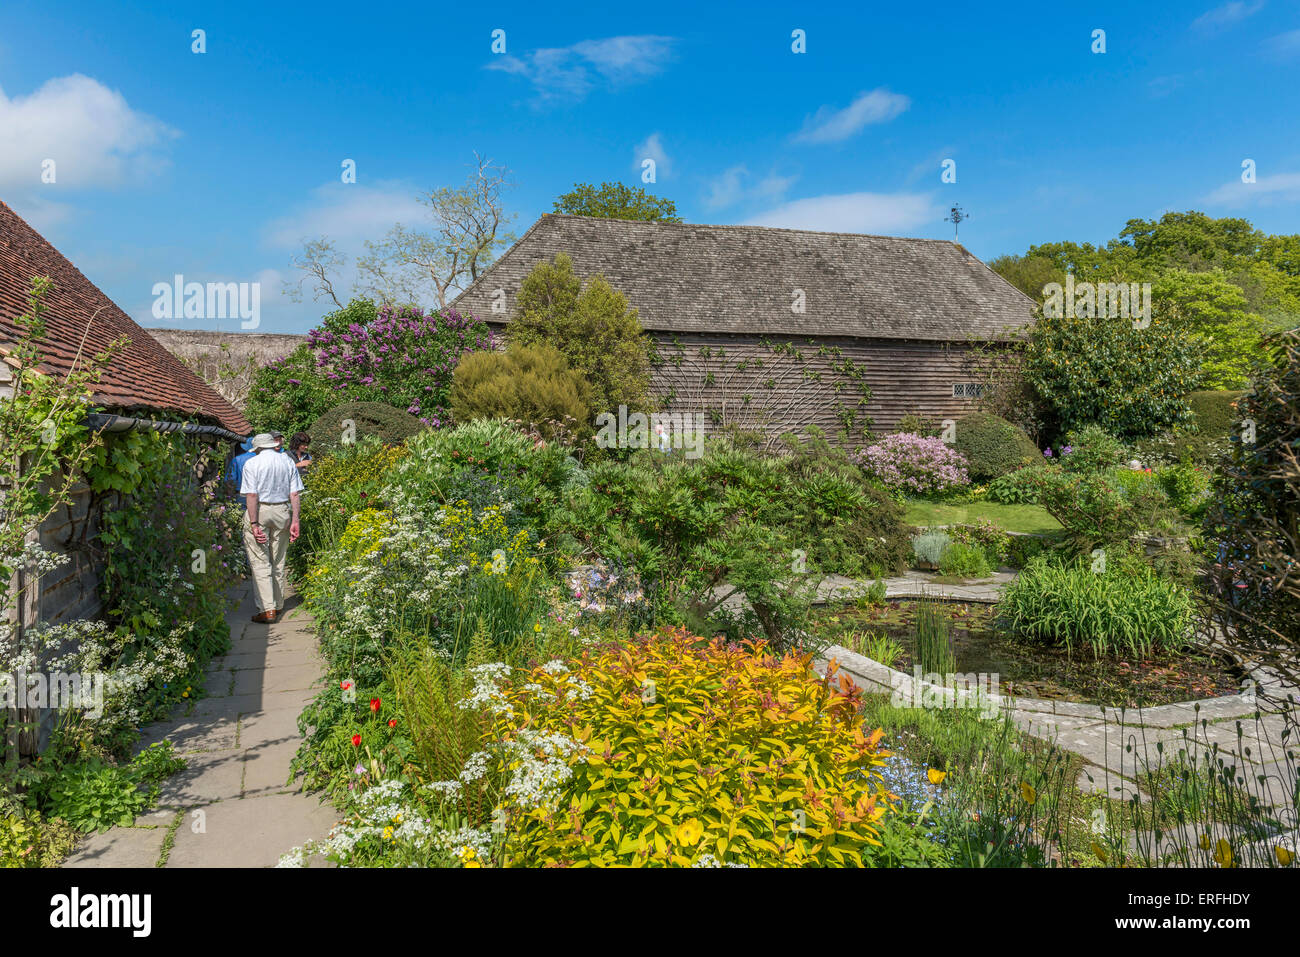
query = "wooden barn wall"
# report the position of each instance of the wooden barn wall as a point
(905, 376)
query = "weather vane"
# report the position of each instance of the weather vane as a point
(955, 217)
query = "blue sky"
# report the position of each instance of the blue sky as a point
(214, 165)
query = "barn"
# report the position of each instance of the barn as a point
(772, 330)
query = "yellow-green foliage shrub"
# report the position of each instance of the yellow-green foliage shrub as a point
(26, 840)
(693, 753)
(532, 384)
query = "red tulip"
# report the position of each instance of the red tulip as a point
(345, 685)
(356, 741)
(374, 704)
(392, 722)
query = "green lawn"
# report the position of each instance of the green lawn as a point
(1012, 518)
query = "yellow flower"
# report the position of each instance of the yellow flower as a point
(690, 832)
(537, 627)
(1223, 853)
(1284, 857)
(1204, 842)
(1028, 793)
(487, 566)
(388, 833)
(935, 776)
(1100, 852)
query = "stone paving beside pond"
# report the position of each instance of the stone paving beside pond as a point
(1118, 745)
(234, 805)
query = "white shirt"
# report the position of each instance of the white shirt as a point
(272, 476)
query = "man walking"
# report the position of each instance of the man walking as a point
(270, 486)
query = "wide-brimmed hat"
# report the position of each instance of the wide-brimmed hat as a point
(264, 440)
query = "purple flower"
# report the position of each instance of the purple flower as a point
(1047, 452)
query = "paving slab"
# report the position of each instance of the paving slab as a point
(190, 734)
(211, 776)
(266, 767)
(234, 705)
(251, 832)
(120, 847)
(268, 727)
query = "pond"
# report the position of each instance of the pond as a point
(1028, 669)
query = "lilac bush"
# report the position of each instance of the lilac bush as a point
(913, 463)
(404, 358)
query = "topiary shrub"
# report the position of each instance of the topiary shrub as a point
(993, 446)
(1215, 410)
(1208, 437)
(354, 421)
(1253, 528)
(532, 384)
(781, 773)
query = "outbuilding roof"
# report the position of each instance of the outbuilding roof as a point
(753, 280)
(143, 376)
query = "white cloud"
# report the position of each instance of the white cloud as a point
(349, 214)
(652, 148)
(883, 213)
(736, 185)
(1284, 45)
(1226, 15)
(1265, 191)
(573, 71)
(42, 213)
(829, 125)
(89, 131)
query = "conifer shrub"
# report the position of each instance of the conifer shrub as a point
(532, 384)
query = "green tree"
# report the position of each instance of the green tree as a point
(616, 201)
(1214, 310)
(593, 327)
(1105, 372)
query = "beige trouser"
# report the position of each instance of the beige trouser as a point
(266, 562)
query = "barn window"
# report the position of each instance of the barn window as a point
(967, 390)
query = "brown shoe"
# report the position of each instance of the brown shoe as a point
(265, 618)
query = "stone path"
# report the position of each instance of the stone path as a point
(233, 806)
(915, 584)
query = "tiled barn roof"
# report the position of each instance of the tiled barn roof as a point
(743, 279)
(142, 377)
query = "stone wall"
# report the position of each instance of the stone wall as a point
(227, 361)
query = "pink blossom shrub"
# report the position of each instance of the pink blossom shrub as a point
(914, 464)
